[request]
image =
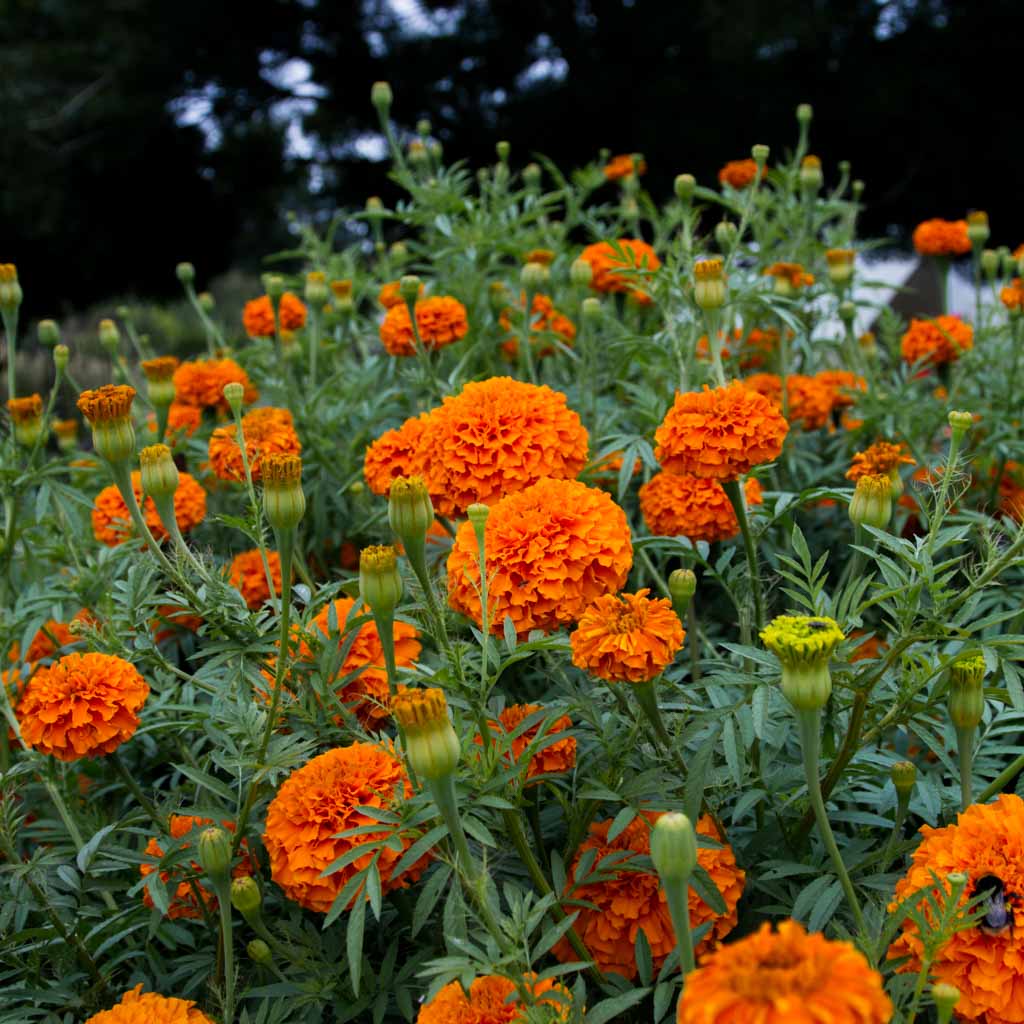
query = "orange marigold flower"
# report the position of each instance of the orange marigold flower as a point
(1018, 253)
(548, 320)
(395, 453)
(608, 259)
(258, 315)
(871, 648)
(440, 320)
(26, 410)
(553, 548)
(554, 757)
(202, 381)
(82, 705)
(1012, 296)
(785, 977)
(1011, 491)
(843, 384)
(792, 273)
(138, 1007)
(267, 431)
(634, 899)
(323, 798)
(182, 421)
(111, 522)
(390, 294)
(172, 619)
(107, 403)
(810, 399)
(942, 340)
(880, 459)
(248, 576)
(487, 1002)
(161, 368)
(760, 342)
(627, 637)
(623, 166)
(738, 174)
(721, 433)
(189, 891)
(676, 505)
(985, 962)
(939, 237)
(545, 257)
(51, 637)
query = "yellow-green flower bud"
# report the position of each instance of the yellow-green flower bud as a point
(234, 393)
(725, 234)
(989, 263)
(960, 421)
(811, 177)
(26, 419)
(316, 289)
(804, 644)
(945, 996)
(760, 152)
(477, 514)
(682, 585)
(10, 289)
(110, 336)
(108, 410)
(61, 357)
(685, 185)
(284, 502)
(709, 288)
(159, 474)
(534, 276)
(840, 264)
(581, 273)
(966, 695)
(430, 741)
(48, 332)
(531, 175)
(503, 149)
(381, 96)
(847, 312)
(274, 284)
(673, 847)
(206, 301)
(259, 951)
(857, 188)
(904, 776)
(977, 229)
(374, 206)
(246, 897)
(215, 853)
(380, 582)
(186, 273)
(409, 288)
(871, 504)
(410, 511)
(804, 113)
(591, 309)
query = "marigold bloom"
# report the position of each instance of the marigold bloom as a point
(623, 166)
(267, 431)
(627, 637)
(545, 257)
(608, 259)
(159, 369)
(248, 576)
(721, 433)
(792, 273)
(985, 962)
(323, 798)
(547, 320)
(138, 1007)
(880, 459)
(738, 174)
(843, 384)
(1012, 296)
(111, 522)
(870, 648)
(51, 637)
(784, 977)
(258, 315)
(942, 340)
(391, 294)
(632, 900)
(25, 410)
(487, 1003)
(552, 758)
(202, 381)
(182, 421)
(939, 237)
(83, 705)
(106, 404)
(1011, 491)
(171, 620)
(810, 400)
(692, 506)
(553, 548)
(440, 320)
(396, 453)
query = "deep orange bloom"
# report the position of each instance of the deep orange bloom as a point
(792, 273)
(553, 548)
(880, 459)
(547, 321)
(258, 315)
(985, 962)
(607, 260)
(844, 384)
(623, 166)
(395, 453)
(138, 1007)
(323, 798)
(632, 900)
(738, 174)
(870, 650)
(784, 977)
(390, 294)
(692, 506)
(51, 637)
(26, 410)
(545, 257)
(1018, 253)
(942, 340)
(202, 383)
(111, 522)
(810, 399)
(107, 403)
(172, 619)
(182, 421)
(267, 431)
(942, 238)
(1012, 295)
(552, 758)
(1011, 491)
(83, 705)
(247, 575)
(627, 637)
(721, 433)
(487, 1002)
(441, 320)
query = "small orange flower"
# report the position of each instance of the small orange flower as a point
(52, 637)
(548, 320)
(720, 434)
(545, 257)
(159, 369)
(395, 453)
(182, 421)
(738, 174)
(810, 399)
(554, 757)
(391, 294)
(83, 705)
(844, 385)
(880, 459)
(792, 273)
(111, 522)
(1012, 296)
(26, 410)
(440, 320)
(692, 506)
(487, 1002)
(942, 238)
(784, 977)
(623, 166)
(1011, 491)
(267, 431)
(258, 315)
(942, 340)
(202, 383)
(247, 575)
(608, 259)
(627, 637)
(138, 1007)
(106, 404)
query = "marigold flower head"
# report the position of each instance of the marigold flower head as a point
(182, 421)
(939, 237)
(738, 174)
(390, 294)
(692, 506)
(881, 458)
(793, 274)
(201, 383)
(52, 637)
(549, 757)
(985, 962)
(843, 384)
(802, 639)
(784, 977)
(488, 1002)
(83, 705)
(547, 320)
(810, 399)
(111, 522)
(107, 404)
(66, 431)
(721, 433)
(258, 315)
(441, 320)
(171, 620)
(608, 259)
(938, 341)
(627, 637)
(160, 369)
(323, 798)
(267, 431)
(545, 257)
(1012, 296)
(1011, 491)
(553, 548)
(138, 1007)
(396, 453)
(25, 410)
(624, 166)
(248, 576)
(633, 899)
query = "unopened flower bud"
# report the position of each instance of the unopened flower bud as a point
(159, 474)
(110, 336)
(259, 952)
(904, 776)
(868, 344)
(381, 96)
(685, 185)
(847, 312)
(591, 309)
(759, 151)
(380, 581)
(531, 175)
(430, 741)
(418, 152)
(284, 502)
(960, 421)
(811, 177)
(26, 419)
(673, 847)
(409, 288)
(725, 235)
(423, 127)
(274, 284)
(234, 394)
(709, 289)
(871, 504)
(534, 276)
(316, 289)
(581, 273)
(48, 332)
(159, 374)
(966, 695)
(215, 853)
(682, 585)
(61, 356)
(186, 273)
(374, 206)
(503, 149)
(857, 189)
(108, 410)
(206, 301)
(840, 266)
(10, 289)
(989, 260)
(246, 897)
(945, 996)
(477, 514)
(977, 228)
(67, 434)
(410, 511)
(804, 113)
(804, 645)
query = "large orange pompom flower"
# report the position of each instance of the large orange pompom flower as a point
(939, 237)
(487, 1003)
(720, 434)
(553, 548)
(441, 320)
(692, 506)
(632, 900)
(738, 174)
(323, 798)
(395, 453)
(810, 400)
(607, 261)
(267, 431)
(138, 1007)
(112, 525)
(627, 637)
(258, 315)
(985, 962)
(83, 705)
(784, 977)
(202, 383)
(942, 340)
(248, 576)
(553, 757)
(546, 320)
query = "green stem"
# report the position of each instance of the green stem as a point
(133, 786)
(314, 345)
(1005, 776)
(711, 321)
(285, 544)
(10, 319)
(902, 806)
(679, 910)
(227, 940)
(694, 627)
(531, 371)
(734, 492)
(947, 478)
(965, 751)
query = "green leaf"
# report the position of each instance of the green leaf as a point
(354, 942)
(609, 1009)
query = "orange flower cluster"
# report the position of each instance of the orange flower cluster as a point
(25, 410)
(548, 320)
(201, 383)
(623, 166)
(138, 1007)
(607, 260)
(83, 705)
(810, 399)
(738, 174)
(267, 431)
(187, 892)
(942, 340)
(323, 798)
(880, 459)
(985, 962)
(1012, 296)
(1011, 491)
(631, 900)
(111, 522)
(51, 637)
(440, 320)
(692, 506)
(792, 273)
(939, 237)
(258, 315)
(553, 549)
(627, 637)
(487, 1002)
(720, 434)
(553, 758)
(248, 576)
(784, 977)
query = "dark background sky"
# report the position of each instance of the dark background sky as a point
(136, 133)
